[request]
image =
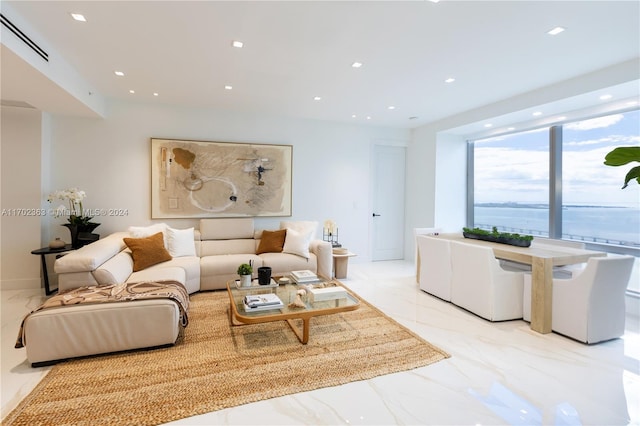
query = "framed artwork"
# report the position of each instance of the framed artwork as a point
(219, 179)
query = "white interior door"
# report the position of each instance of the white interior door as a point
(388, 202)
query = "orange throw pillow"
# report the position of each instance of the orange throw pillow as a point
(147, 251)
(272, 241)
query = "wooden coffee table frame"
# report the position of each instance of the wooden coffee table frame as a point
(237, 318)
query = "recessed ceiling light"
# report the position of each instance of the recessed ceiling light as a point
(561, 118)
(353, 116)
(631, 103)
(368, 117)
(119, 73)
(434, 1)
(605, 97)
(316, 98)
(132, 91)
(237, 44)
(155, 93)
(511, 128)
(78, 17)
(488, 125)
(356, 64)
(555, 31)
(227, 87)
(450, 80)
(391, 107)
(537, 113)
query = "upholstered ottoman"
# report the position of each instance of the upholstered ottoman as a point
(74, 331)
(63, 332)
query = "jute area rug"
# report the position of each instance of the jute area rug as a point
(215, 366)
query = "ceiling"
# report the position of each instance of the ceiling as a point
(295, 51)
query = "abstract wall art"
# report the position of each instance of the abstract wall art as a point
(219, 179)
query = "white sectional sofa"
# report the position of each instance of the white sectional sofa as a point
(220, 246)
(203, 259)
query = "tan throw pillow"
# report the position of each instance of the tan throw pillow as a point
(147, 251)
(272, 241)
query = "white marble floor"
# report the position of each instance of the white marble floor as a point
(498, 373)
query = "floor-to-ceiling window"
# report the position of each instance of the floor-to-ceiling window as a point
(595, 208)
(513, 180)
(511, 183)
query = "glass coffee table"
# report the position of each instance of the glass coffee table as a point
(287, 293)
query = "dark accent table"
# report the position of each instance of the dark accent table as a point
(43, 252)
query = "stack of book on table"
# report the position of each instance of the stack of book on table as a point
(261, 302)
(303, 277)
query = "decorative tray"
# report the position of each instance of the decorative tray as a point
(255, 285)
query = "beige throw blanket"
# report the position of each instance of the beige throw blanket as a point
(96, 294)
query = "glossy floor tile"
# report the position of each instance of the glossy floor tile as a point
(498, 373)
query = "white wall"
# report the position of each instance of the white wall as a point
(20, 197)
(451, 183)
(421, 185)
(110, 160)
(436, 183)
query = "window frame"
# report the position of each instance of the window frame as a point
(555, 188)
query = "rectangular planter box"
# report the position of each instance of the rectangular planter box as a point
(501, 240)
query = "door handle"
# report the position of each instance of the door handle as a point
(374, 215)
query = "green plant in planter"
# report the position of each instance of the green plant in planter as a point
(625, 155)
(245, 269)
(494, 233)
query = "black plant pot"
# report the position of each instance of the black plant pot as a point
(82, 235)
(501, 240)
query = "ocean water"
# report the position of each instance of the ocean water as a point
(611, 225)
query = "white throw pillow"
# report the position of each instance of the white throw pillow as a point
(180, 242)
(302, 226)
(297, 243)
(147, 231)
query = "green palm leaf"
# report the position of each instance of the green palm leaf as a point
(625, 155)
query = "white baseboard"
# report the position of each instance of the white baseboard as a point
(20, 284)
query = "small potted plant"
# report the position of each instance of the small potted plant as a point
(245, 270)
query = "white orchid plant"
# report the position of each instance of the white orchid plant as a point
(74, 196)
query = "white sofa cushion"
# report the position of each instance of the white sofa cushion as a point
(226, 229)
(180, 242)
(91, 256)
(217, 270)
(189, 264)
(115, 270)
(283, 263)
(147, 231)
(70, 280)
(169, 273)
(303, 226)
(219, 247)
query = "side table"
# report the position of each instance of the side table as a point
(341, 263)
(43, 252)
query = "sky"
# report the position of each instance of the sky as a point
(515, 168)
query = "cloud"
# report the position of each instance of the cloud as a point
(613, 140)
(517, 167)
(595, 123)
(512, 174)
(503, 174)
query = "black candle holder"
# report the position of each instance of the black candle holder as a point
(331, 236)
